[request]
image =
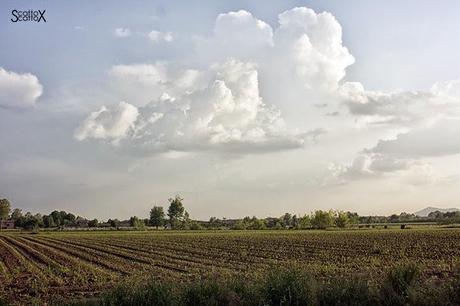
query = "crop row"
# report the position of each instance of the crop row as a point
(80, 264)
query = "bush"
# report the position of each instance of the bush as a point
(132, 294)
(398, 286)
(290, 287)
(354, 291)
(455, 289)
(196, 226)
(210, 292)
(285, 286)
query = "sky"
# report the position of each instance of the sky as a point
(240, 107)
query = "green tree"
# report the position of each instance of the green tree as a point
(214, 223)
(113, 222)
(93, 223)
(295, 221)
(342, 219)
(157, 216)
(239, 225)
(322, 219)
(58, 219)
(48, 221)
(5, 208)
(31, 223)
(353, 217)
(136, 223)
(175, 211)
(17, 217)
(257, 224)
(195, 226)
(69, 218)
(304, 222)
(286, 220)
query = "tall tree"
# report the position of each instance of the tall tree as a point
(286, 219)
(48, 221)
(322, 219)
(175, 211)
(157, 216)
(5, 208)
(136, 223)
(342, 219)
(16, 214)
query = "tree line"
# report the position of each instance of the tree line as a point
(178, 218)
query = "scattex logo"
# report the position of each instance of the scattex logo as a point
(30, 15)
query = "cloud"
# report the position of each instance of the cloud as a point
(226, 114)
(261, 89)
(310, 45)
(371, 166)
(157, 36)
(404, 108)
(142, 83)
(439, 139)
(405, 154)
(241, 32)
(122, 32)
(111, 124)
(18, 90)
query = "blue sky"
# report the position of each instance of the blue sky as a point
(384, 36)
(297, 124)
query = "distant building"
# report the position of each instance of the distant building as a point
(6, 224)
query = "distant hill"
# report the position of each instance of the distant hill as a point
(426, 211)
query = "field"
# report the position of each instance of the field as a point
(68, 265)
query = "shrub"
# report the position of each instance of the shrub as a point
(455, 289)
(290, 287)
(196, 226)
(285, 286)
(210, 292)
(151, 293)
(342, 291)
(398, 285)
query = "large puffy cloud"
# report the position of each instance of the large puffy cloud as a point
(226, 114)
(18, 90)
(310, 45)
(275, 77)
(111, 124)
(306, 48)
(223, 107)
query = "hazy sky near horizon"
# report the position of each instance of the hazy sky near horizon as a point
(241, 107)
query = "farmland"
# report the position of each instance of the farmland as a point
(69, 265)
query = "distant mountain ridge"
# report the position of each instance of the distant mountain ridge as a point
(426, 211)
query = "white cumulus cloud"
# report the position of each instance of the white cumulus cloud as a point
(227, 113)
(18, 90)
(111, 124)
